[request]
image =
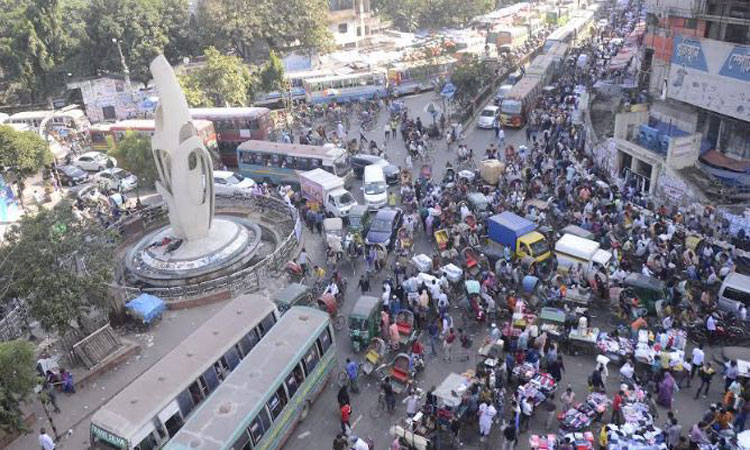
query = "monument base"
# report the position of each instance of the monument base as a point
(161, 259)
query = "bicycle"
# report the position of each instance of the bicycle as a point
(379, 407)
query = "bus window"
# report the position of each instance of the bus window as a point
(267, 323)
(209, 381)
(259, 426)
(243, 442)
(148, 443)
(277, 402)
(302, 163)
(311, 359)
(232, 358)
(315, 163)
(98, 137)
(324, 341)
(185, 402)
(294, 379)
(248, 342)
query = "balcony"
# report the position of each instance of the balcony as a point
(680, 8)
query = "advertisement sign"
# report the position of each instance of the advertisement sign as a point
(712, 75)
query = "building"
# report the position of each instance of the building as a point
(698, 55)
(353, 23)
(107, 99)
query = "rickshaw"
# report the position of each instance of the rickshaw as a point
(406, 177)
(327, 303)
(471, 308)
(333, 228)
(364, 321)
(374, 354)
(441, 238)
(294, 294)
(405, 324)
(648, 290)
(471, 263)
(405, 239)
(400, 372)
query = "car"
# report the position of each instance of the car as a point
(384, 227)
(391, 171)
(116, 179)
(94, 162)
(488, 117)
(502, 91)
(229, 183)
(71, 175)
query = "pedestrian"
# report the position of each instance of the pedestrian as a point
(731, 374)
(448, 344)
(673, 433)
(45, 441)
(487, 413)
(617, 408)
(567, 399)
(49, 391)
(433, 332)
(596, 379)
(346, 412)
(500, 137)
(352, 373)
(706, 373)
(388, 394)
(698, 358)
(364, 284)
(343, 396)
(527, 410)
(412, 403)
(509, 436)
(303, 260)
(466, 343)
(549, 406)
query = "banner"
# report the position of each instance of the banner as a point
(712, 75)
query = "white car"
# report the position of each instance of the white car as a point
(94, 161)
(228, 183)
(116, 180)
(488, 116)
(501, 93)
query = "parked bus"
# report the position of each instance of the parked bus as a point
(519, 102)
(151, 409)
(558, 52)
(106, 137)
(345, 88)
(416, 76)
(296, 90)
(280, 163)
(562, 35)
(513, 36)
(234, 126)
(70, 118)
(272, 389)
(543, 67)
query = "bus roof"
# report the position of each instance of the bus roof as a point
(227, 113)
(147, 124)
(291, 149)
(540, 66)
(213, 425)
(513, 31)
(403, 65)
(26, 115)
(523, 88)
(558, 49)
(128, 411)
(342, 77)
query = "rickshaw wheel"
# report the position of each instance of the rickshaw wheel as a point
(339, 322)
(342, 379)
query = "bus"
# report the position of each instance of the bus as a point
(151, 409)
(262, 401)
(71, 118)
(519, 102)
(543, 67)
(558, 52)
(234, 126)
(513, 36)
(562, 35)
(280, 163)
(296, 90)
(345, 88)
(416, 76)
(106, 137)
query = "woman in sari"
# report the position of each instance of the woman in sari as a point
(666, 391)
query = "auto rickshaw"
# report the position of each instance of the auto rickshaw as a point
(292, 295)
(364, 321)
(327, 303)
(374, 354)
(358, 219)
(648, 290)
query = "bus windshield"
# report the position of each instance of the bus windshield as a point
(511, 106)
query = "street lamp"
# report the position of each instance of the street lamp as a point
(125, 69)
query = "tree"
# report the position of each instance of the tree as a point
(272, 74)
(470, 76)
(222, 80)
(19, 377)
(410, 15)
(134, 154)
(59, 265)
(24, 151)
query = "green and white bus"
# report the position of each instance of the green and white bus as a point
(151, 409)
(272, 389)
(280, 163)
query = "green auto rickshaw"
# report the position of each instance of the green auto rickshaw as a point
(292, 295)
(648, 290)
(358, 219)
(364, 321)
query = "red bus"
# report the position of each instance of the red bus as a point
(234, 126)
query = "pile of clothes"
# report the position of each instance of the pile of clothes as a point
(524, 372)
(629, 437)
(614, 345)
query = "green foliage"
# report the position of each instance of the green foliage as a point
(134, 154)
(252, 27)
(272, 74)
(19, 377)
(410, 15)
(61, 266)
(221, 80)
(25, 152)
(470, 75)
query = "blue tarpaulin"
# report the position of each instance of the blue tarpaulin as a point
(147, 307)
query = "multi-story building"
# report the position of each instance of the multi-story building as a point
(697, 54)
(352, 22)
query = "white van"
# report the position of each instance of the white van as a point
(374, 187)
(571, 249)
(735, 290)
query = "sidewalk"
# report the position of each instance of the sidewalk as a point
(73, 422)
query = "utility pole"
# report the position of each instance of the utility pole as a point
(125, 70)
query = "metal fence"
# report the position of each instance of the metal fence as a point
(282, 218)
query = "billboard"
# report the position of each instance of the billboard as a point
(712, 75)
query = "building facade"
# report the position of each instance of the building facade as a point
(352, 22)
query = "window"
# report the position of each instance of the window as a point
(324, 341)
(277, 402)
(736, 295)
(294, 380)
(232, 358)
(221, 368)
(303, 164)
(248, 341)
(259, 426)
(149, 443)
(243, 442)
(343, 28)
(267, 323)
(311, 359)
(359, 31)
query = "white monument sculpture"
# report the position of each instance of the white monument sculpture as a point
(184, 165)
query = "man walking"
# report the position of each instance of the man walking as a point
(352, 370)
(45, 441)
(706, 373)
(448, 344)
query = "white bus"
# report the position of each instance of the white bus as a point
(151, 409)
(71, 118)
(345, 88)
(261, 402)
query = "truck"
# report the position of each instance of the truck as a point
(327, 191)
(519, 234)
(572, 250)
